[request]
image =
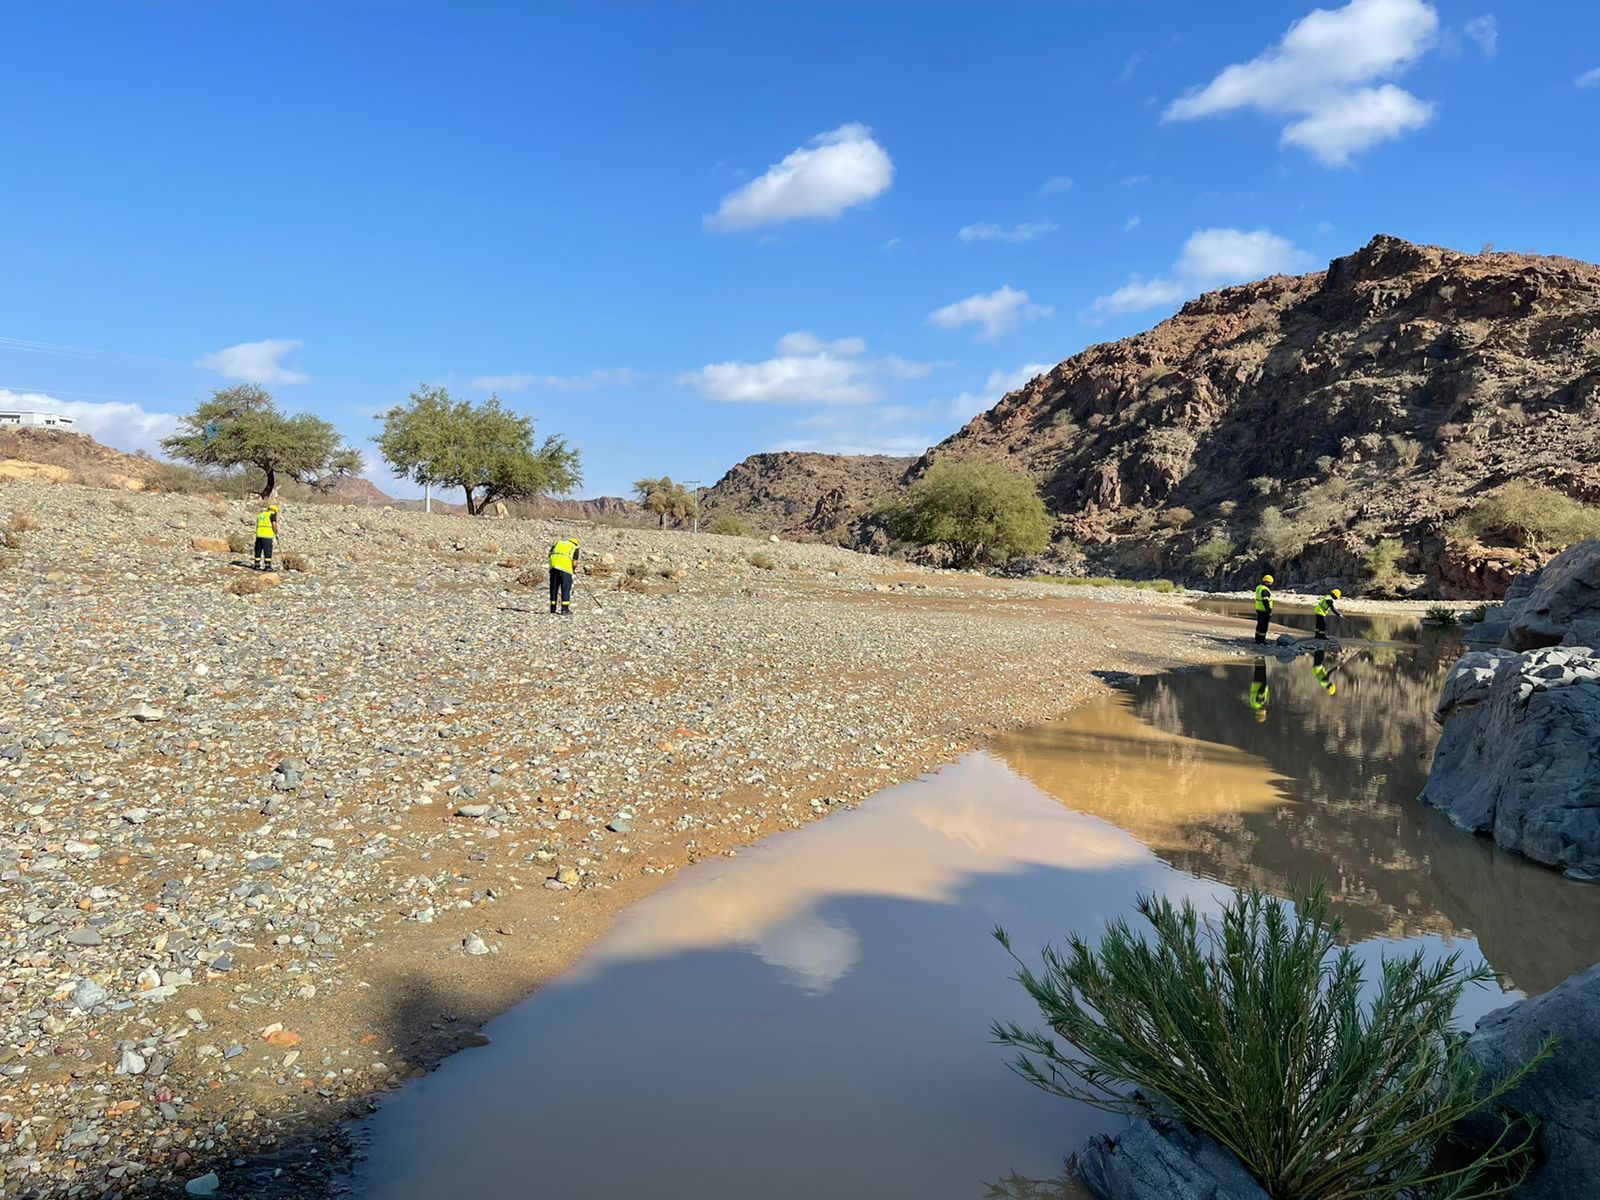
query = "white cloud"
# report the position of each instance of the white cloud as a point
(1588, 78)
(988, 231)
(1485, 30)
(837, 171)
(1131, 223)
(256, 362)
(1055, 185)
(968, 404)
(806, 370)
(125, 425)
(519, 382)
(998, 312)
(1319, 73)
(1349, 123)
(1210, 258)
(1129, 67)
(523, 380)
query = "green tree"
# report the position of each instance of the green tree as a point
(975, 508)
(242, 426)
(729, 527)
(485, 450)
(666, 499)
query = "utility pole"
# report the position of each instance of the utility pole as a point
(427, 497)
(695, 484)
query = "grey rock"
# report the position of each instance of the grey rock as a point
(1154, 1159)
(473, 810)
(1519, 757)
(143, 712)
(1563, 1093)
(1564, 599)
(620, 826)
(83, 937)
(203, 1185)
(88, 993)
(131, 1063)
(474, 945)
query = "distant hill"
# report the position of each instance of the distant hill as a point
(1292, 424)
(805, 495)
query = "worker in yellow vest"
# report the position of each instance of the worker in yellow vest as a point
(1260, 691)
(1324, 607)
(266, 535)
(1263, 608)
(563, 558)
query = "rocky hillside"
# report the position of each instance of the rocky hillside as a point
(1297, 423)
(820, 496)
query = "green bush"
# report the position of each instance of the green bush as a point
(1264, 485)
(1382, 560)
(762, 560)
(1211, 555)
(729, 527)
(1532, 516)
(978, 509)
(1443, 614)
(1276, 536)
(1261, 1032)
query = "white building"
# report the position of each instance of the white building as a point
(39, 419)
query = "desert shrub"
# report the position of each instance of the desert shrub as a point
(633, 583)
(1211, 555)
(180, 480)
(1325, 463)
(240, 543)
(729, 527)
(1406, 450)
(1176, 518)
(1264, 485)
(978, 509)
(23, 520)
(1532, 516)
(637, 571)
(535, 577)
(1442, 614)
(122, 504)
(1382, 560)
(763, 560)
(248, 585)
(1261, 1031)
(12, 540)
(292, 561)
(1276, 536)
(1226, 508)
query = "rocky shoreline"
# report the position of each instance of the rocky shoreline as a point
(274, 849)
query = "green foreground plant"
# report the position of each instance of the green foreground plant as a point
(1253, 1029)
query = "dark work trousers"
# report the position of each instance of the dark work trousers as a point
(264, 552)
(1263, 619)
(1322, 625)
(560, 591)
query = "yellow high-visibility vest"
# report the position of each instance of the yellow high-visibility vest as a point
(1263, 598)
(1258, 694)
(264, 525)
(1324, 606)
(561, 555)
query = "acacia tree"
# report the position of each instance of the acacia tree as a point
(483, 449)
(666, 499)
(242, 426)
(975, 508)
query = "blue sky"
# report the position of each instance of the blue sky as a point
(680, 233)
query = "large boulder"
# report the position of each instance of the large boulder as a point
(1564, 1093)
(1497, 622)
(1562, 605)
(1155, 1159)
(1519, 757)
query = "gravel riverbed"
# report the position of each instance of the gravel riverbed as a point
(269, 854)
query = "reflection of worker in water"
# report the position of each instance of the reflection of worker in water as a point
(1323, 675)
(1263, 608)
(1260, 691)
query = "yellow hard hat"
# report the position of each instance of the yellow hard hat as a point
(1268, 579)
(272, 508)
(1261, 716)
(574, 541)
(1337, 593)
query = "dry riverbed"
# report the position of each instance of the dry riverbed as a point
(267, 855)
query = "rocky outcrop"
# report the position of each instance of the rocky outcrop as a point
(1562, 605)
(1519, 758)
(809, 496)
(1154, 1159)
(1563, 1093)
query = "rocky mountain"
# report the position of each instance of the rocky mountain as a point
(806, 495)
(1335, 426)
(1297, 423)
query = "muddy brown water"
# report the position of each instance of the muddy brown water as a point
(811, 1018)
